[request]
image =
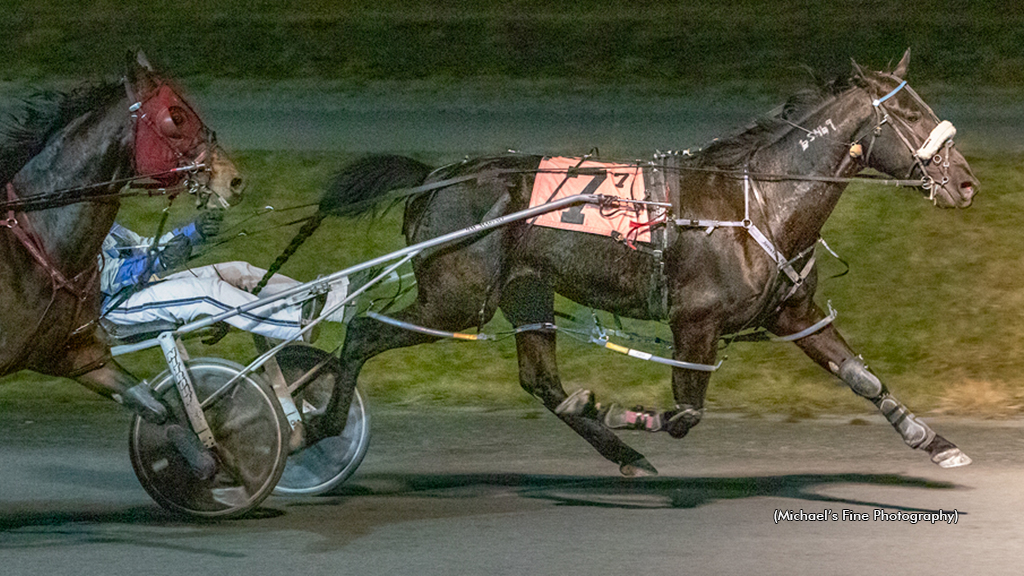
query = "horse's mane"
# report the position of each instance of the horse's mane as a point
(43, 115)
(733, 151)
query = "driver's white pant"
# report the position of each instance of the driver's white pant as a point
(210, 290)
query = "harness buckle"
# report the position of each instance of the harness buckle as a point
(882, 122)
(9, 222)
(597, 332)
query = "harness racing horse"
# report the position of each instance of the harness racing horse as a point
(64, 166)
(784, 176)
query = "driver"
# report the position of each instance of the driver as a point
(137, 290)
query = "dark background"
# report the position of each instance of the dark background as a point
(688, 45)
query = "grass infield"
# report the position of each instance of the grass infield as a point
(932, 301)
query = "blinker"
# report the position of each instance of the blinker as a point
(166, 130)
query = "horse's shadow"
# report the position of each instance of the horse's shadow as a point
(72, 525)
(631, 493)
(562, 490)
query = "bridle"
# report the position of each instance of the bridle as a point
(163, 164)
(171, 144)
(936, 149)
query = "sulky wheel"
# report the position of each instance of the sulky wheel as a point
(251, 432)
(319, 468)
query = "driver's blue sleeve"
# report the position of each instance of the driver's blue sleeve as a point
(130, 272)
(189, 231)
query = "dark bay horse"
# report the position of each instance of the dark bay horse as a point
(791, 169)
(64, 165)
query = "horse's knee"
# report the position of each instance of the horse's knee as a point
(686, 416)
(856, 375)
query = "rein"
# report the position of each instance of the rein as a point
(776, 177)
(403, 193)
(785, 264)
(68, 196)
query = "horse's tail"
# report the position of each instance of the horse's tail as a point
(304, 232)
(361, 187)
(356, 189)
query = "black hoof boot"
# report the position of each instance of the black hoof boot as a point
(139, 399)
(201, 460)
(679, 424)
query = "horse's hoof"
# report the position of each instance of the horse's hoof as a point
(638, 469)
(579, 403)
(951, 458)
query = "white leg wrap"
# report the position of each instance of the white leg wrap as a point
(856, 375)
(915, 433)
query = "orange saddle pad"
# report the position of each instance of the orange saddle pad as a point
(559, 177)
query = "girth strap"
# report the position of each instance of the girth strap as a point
(663, 187)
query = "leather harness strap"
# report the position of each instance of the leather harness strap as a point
(31, 242)
(76, 286)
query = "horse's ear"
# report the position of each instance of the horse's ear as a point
(901, 69)
(139, 72)
(858, 72)
(141, 60)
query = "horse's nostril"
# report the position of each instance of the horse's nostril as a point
(236, 182)
(967, 192)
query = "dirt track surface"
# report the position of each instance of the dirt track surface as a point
(515, 492)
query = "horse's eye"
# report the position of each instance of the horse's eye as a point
(172, 121)
(178, 115)
(914, 117)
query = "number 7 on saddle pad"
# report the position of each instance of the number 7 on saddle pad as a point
(559, 177)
